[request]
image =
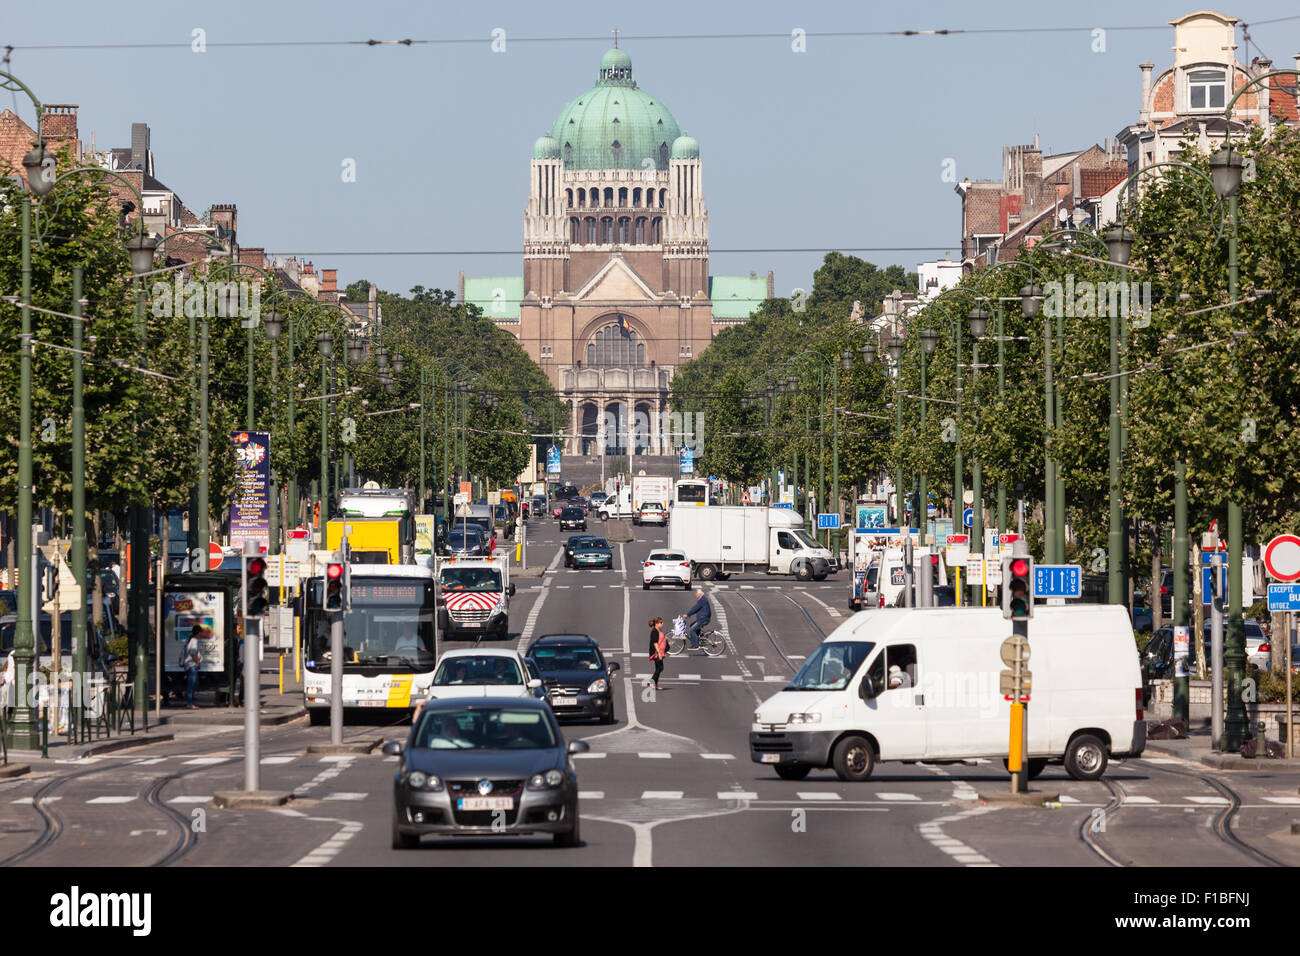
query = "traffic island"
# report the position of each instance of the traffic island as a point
(10, 770)
(1030, 798)
(250, 799)
(618, 529)
(347, 747)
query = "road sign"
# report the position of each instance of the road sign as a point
(1007, 684)
(215, 554)
(291, 572)
(788, 505)
(968, 518)
(1058, 580)
(1282, 557)
(931, 511)
(1284, 597)
(828, 521)
(958, 549)
(1015, 648)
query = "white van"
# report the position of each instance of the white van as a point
(840, 710)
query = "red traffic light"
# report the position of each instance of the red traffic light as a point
(256, 567)
(334, 571)
(1019, 567)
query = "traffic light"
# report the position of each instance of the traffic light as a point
(334, 584)
(255, 586)
(1017, 588)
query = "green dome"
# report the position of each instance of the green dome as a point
(546, 148)
(685, 147)
(614, 125)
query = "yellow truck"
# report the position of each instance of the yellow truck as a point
(371, 540)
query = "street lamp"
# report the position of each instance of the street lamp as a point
(356, 349)
(1119, 242)
(978, 319)
(1031, 300)
(1225, 169)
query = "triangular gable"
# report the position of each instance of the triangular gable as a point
(616, 282)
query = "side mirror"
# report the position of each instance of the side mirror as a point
(393, 748)
(578, 747)
(512, 588)
(868, 689)
(614, 666)
(534, 683)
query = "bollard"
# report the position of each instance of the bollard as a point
(282, 673)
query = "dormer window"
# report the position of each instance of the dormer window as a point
(617, 149)
(1206, 89)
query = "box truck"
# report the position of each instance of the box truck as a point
(924, 684)
(723, 540)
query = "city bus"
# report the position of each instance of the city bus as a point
(691, 491)
(389, 641)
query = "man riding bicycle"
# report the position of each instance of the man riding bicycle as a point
(703, 614)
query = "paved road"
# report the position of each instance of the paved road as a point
(671, 783)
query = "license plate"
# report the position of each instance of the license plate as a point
(769, 758)
(485, 803)
(473, 623)
(371, 703)
(564, 702)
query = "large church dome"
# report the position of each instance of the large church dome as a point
(614, 125)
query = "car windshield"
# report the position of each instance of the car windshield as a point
(572, 513)
(485, 728)
(873, 573)
(470, 580)
(485, 669)
(593, 543)
(831, 666)
(672, 556)
(567, 657)
(805, 539)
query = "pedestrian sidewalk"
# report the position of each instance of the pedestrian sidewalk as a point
(1197, 747)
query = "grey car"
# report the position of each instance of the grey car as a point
(489, 767)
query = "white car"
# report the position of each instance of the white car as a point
(651, 512)
(483, 672)
(666, 567)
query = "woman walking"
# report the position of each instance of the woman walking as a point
(658, 648)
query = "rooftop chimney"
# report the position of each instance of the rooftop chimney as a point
(1144, 112)
(329, 280)
(140, 147)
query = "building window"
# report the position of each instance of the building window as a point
(684, 351)
(591, 354)
(616, 346)
(1206, 89)
(546, 352)
(640, 354)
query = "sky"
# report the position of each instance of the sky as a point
(843, 145)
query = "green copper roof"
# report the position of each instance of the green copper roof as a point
(546, 148)
(497, 296)
(735, 297)
(614, 125)
(686, 147)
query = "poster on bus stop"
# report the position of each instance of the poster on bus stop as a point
(182, 612)
(250, 503)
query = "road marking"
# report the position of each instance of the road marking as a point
(796, 657)
(662, 795)
(655, 756)
(622, 562)
(737, 795)
(775, 679)
(526, 635)
(149, 762)
(832, 611)
(627, 622)
(1066, 798)
(330, 848)
(191, 798)
(585, 586)
(1164, 760)
(337, 758)
(755, 657)
(817, 795)
(1136, 799)
(347, 796)
(28, 800)
(1215, 801)
(111, 799)
(1290, 801)
(717, 756)
(591, 794)
(897, 796)
(199, 761)
(563, 587)
(278, 760)
(689, 677)
(747, 587)
(590, 756)
(732, 677)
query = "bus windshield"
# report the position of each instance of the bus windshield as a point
(391, 623)
(694, 493)
(470, 580)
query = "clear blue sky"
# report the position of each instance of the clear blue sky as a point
(840, 146)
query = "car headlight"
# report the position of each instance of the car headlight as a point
(418, 780)
(758, 718)
(546, 781)
(598, 686)
(804, 718)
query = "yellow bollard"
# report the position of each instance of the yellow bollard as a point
(1016, 747)
(297, 652)
(282, 673)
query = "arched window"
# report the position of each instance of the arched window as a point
(640, 353)
(589, 225)
(609, 196)
(568, 197)
(582, 198)
(606, 231)
(574, 229)
(591, 354)
(636, 196)
(622, 196)
(640, 238)
(656, 231)
(663, 197)
(615, 346)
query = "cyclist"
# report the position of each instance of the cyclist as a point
(702, 611)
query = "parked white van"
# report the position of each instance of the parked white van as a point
(848, 707)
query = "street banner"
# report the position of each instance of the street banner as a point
(553, 460)
(686, 461)
(871, 516)
(250, 503)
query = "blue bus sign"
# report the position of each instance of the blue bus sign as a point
(784, 504)
(828, 522)
(1058, 580)
(1284, 597)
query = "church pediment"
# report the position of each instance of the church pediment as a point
(616, 282)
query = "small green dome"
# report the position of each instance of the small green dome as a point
(615, 125)
(686, 147)
(546, 148)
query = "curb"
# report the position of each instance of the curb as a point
(1033, 799)
(236, 719)
(14, 770)
(1225, 761)
(347, 747)
(250, 799)
(98, 747)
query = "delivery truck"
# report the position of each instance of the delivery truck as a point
(725, 540)
(925, 684)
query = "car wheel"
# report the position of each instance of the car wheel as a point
(645, 586)
(320, 716)
(804, 573)
(608, 717)
(853, 759)
(1085, 758)
(1034, 766)
(706, 572)
(574, 836)
(792, 771)
(404, 841)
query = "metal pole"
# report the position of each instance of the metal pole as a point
(1182, 708)
(140, 558)
(422, 404)
(291, 504)
(336, 677)
(899, 496)
(1002, 385)
(78, 554)
(273, 502)
(1049, 466)
(1115, 530)
(1290, 728)
(821, 442)
(909, 574)
(923, 499)
(202, 535)
(1235, 656)
(249, 411)
(252, 681)
(324, 450)
(24, 728)
(1216, 653)
(1060, 430)
(835, 455)
(958, 498)
(977, 481)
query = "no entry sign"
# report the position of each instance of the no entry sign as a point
(1282, 557)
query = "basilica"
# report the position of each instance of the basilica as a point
(616, 291)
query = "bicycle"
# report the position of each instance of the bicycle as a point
(712, 640)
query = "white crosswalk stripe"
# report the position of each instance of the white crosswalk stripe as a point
(191, 798)
(1211, 801)
(717, 756)
(121, 799)
(1289, 801)
(897, 796)
(1137, 798)
(201, 761)
(817, 795)
(591, 794)
(662, 795)
(347, 796)
(737, 795)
